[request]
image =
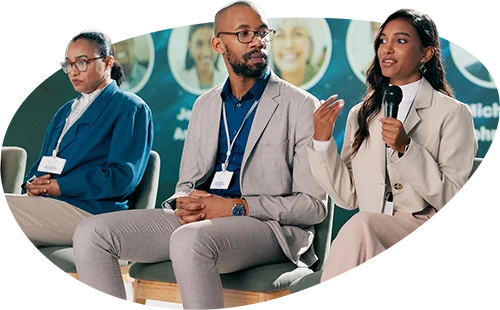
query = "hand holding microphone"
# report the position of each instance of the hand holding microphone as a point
(393, 132)
(325, 117)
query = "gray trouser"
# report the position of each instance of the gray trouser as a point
(199, 251)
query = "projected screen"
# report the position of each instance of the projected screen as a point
(171, 66)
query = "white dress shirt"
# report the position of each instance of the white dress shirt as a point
(81, 105)
(409, 94)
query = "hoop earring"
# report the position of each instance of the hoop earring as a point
(422, 69)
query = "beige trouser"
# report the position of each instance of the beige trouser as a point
(366, 235)
(45, 221)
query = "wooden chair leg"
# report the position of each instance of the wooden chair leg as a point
(139, 304)
(275, 298)
(137, 298)
(126, 277)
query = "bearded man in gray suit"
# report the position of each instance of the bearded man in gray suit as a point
(245, 196)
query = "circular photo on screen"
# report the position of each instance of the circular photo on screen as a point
(471, 68)
(301, 49)
(195, 65)
(359, 46)
(136, 55)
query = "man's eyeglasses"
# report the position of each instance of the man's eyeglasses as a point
(81, 64)
(247, 36)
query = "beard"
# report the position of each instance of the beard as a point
(242, 69)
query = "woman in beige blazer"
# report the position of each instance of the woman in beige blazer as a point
(431, 145)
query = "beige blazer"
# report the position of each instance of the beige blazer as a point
(275, 179)
(435, 167)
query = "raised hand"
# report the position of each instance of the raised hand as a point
(325, 117)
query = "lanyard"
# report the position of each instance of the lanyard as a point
(70, 120)
(230, 143)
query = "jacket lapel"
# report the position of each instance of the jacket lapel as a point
(421, 101)
(378, 145)
(60, 126)
(91, 115)
(265, 110)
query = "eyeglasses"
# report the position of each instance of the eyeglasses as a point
(247, 36)
(81, 64)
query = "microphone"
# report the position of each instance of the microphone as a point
(393, 97)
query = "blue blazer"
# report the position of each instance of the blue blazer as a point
(106, 151)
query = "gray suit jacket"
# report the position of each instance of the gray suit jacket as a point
(435, 167)
(275, 179)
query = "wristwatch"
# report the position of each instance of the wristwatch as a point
(238, 209)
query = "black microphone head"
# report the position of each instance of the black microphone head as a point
(393, 97)
(393, 94)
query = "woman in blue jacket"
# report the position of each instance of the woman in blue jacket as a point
(95, 150)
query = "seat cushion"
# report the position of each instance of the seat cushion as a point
(306, 282)
(62, 257)
(266, 278)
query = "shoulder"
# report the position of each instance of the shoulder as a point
(288, 94)
(126, 105)
(289, 90)
(64, 109)
(448, 105)
(128, 100)
(354, 111)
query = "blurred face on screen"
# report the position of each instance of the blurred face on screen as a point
(97, 69)
(400, 52)
(243, 59)
(124, 54)
(201, 50)
(291, 46)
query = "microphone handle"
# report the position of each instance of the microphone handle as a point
(391, 111)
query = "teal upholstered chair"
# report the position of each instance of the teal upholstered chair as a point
(341, 217)
(144, 198)
(13, 166)
(309, 285)
(157, 281)
(481, 174)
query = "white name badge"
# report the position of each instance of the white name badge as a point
(51, 164)
(389, 208)
(221, 180)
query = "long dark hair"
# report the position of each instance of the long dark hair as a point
(189, 62)
(377, 83)
(104, 47)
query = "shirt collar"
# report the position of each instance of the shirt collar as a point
(255, 92)
(410, 91)
(91, 96)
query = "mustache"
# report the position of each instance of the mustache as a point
(255, 53)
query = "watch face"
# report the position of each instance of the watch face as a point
(238, 210)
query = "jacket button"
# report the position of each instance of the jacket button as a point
(398, 186)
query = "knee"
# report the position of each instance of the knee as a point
(89, 233)
(190, 241)
(360, 225)
(363, 220)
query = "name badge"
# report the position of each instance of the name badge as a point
(51, 164)
(221, 180)
(389, 208)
